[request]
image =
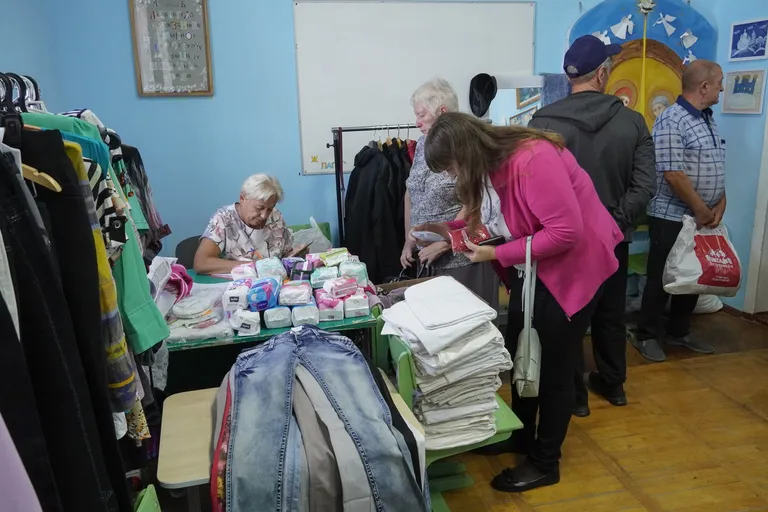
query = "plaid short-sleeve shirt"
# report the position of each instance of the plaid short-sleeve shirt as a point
(687, 139)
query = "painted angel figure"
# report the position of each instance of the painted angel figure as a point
(689, 58)
(664, 20)
(688, 39)
(603, 36)
(623, 28)
(646, 6)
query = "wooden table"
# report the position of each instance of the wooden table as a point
(185, 454)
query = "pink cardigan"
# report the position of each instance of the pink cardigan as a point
(544, 192)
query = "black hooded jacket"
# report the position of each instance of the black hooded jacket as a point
(612, 143)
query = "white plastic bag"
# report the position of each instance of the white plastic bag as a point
(313, 237)
(702, 262)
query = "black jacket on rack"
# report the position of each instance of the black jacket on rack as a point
(373, 211)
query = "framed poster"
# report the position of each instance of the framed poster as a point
(744, 92)
(523, 118)
(748, 40)
(171, 47)
(527, 95)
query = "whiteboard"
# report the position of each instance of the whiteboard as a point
(359, 62)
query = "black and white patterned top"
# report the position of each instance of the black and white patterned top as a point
(433, 199)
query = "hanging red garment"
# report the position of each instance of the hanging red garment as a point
(411, 149)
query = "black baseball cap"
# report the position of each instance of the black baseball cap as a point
(586, 54)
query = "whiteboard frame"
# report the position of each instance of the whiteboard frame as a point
(137, 65)
(504, 81)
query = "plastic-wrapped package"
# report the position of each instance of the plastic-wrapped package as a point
(271, 267)
(295, 293)
(340, 287)
(330, 309)
(355, 269)
(323, 274)
(357, 305)
(302, 271)
(335, 257)
(195, 305)
(263, 294)
(205, 319)
(277, 318)
(459, 238)
(243, 271)
(246, 323)
(305, 315)
(220, 330)
(289, 263)
(236, 295)
(314, 260)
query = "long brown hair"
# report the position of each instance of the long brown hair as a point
(473, 149)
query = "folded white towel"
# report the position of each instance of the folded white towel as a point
(493, 366)
(486, 342)
(401, 316)
(449, 427)
(465, 437)
(444, 302)
(454, 413)
(457, 390)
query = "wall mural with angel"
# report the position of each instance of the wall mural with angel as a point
(676, 34)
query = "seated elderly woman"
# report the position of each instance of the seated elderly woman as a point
(249, 230)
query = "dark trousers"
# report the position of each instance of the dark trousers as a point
(663, 234)
(62, 397)
(609, 330)
(560, 341)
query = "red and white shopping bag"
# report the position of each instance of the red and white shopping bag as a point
(702, 262)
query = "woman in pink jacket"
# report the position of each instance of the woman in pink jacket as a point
(519, 182)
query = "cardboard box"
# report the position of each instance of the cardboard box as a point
(403, 284)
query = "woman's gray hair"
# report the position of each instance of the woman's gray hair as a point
(435, 94)
(661, 100)
(262, 187)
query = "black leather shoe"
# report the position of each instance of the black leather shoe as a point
(581, 411)
(524, 478)
(615, 395)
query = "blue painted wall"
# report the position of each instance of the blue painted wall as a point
(504, 106)
(28, 43)
(744, 139)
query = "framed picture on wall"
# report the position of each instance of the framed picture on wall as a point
(748, 40)
(744, 92)
(171, 47)
(523, 118)
(527, 96)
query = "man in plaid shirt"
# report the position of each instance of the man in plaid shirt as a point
(690, 157)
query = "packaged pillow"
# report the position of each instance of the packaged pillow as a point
(330, 309)
(356, 305)
(305, 315)
(271, 267)
(323, 274)
(236, 295)
(295, 293)
(335, 257)
(246, 323)
(263, 294)
(355, 269)
(340, 287)
(243, 271)
(289, 263)
(277, 318)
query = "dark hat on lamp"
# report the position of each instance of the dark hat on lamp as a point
(482, 90)
(586, 54)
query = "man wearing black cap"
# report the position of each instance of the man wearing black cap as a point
(613, 144)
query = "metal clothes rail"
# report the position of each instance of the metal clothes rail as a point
(338, 161)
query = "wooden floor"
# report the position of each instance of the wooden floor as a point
(694, 437)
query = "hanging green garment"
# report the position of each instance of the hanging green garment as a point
(144, 325)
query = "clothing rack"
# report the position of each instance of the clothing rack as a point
(338, 159)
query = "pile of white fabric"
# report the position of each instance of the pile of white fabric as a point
(458, 355)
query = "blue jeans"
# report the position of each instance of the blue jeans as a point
(262, 460)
